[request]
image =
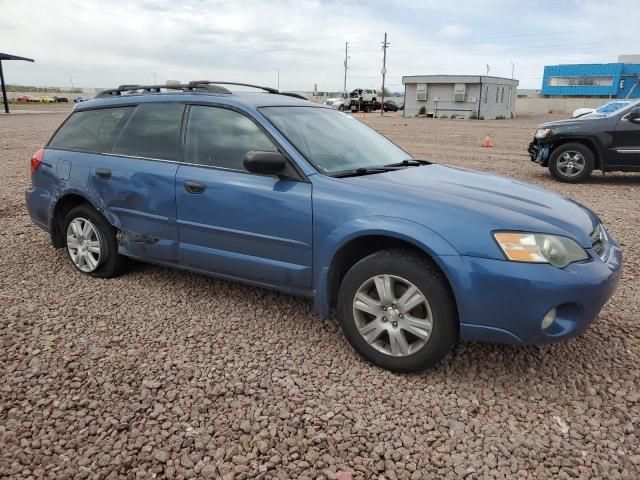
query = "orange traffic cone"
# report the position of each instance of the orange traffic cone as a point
(487, 142)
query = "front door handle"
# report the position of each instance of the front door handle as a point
(192, 186)
(103, 173)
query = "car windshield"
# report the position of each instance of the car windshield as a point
(608, 109)
(332, 141)
(612, 107)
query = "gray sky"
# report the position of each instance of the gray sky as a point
(106, 43)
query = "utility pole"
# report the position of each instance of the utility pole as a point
(488, 69)
(513, 67)
(385, 45)
(155, 78)
(346, 62)
(278, 78)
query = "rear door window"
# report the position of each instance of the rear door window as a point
(153, 131)
(91, 130)
(219, 137)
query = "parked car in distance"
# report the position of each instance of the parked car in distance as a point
(47, 99)
(607, 139)
(411, 255)
(27, 99)
(582, 111)
(390, 106)
(80, 99)
(61, 99)
(608, 107)
(338, 103)
(364, 94)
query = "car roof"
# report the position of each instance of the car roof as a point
(243, 100)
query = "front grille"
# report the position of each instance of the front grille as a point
(599, 241)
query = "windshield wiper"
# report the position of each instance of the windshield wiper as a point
(410, 162)
(364, 171)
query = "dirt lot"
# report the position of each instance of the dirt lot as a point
(165, 373)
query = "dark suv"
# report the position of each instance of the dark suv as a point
(606, 141)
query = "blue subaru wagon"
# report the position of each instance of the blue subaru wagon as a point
(279, 192)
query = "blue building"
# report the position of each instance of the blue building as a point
(610, 80)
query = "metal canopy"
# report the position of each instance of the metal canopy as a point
(6, 56)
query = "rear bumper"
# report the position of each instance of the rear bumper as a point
(38, 201)
(505, 302)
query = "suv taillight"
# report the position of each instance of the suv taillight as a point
(36, 160)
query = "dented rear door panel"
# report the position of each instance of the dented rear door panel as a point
(138, 197)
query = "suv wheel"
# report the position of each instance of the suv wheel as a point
(571, 163)
(91, 243)
(396, 310)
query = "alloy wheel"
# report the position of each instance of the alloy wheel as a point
(83, 244)
(392, 315)
(571, 163)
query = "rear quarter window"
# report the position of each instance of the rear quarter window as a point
(91, 130)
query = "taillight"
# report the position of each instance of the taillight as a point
(36, 160)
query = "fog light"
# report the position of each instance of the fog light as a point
(548, 319)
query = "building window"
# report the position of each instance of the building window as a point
(486, 94)
(497, 93)
(421, 92)
(595, 81)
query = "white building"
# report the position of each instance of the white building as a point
(460, 96)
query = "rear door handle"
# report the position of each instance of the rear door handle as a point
(192, 186)
(103, 173)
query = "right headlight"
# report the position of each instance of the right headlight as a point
(540, 248)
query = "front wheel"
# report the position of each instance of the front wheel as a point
(396, 310)
(91, 243)
(571, 163)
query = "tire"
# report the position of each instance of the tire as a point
(341, 108)
(402, 267)
(571, 163)
(108, 262)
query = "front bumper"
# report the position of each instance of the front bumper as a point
(505, 302)
(539, 153)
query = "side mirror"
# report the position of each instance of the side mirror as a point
(265, 163)
(634, 115)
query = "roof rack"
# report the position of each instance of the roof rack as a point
(193, 86)
(158, 88)
(197, 83)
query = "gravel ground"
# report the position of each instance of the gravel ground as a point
(162, 373)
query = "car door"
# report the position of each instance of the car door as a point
(234, 223)
(626, 140)
(135, 182)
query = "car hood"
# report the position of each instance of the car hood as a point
(464, 206)
(570, 122)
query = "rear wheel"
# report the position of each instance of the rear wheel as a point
(571, 163)
(91, 243)
(396, 310)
